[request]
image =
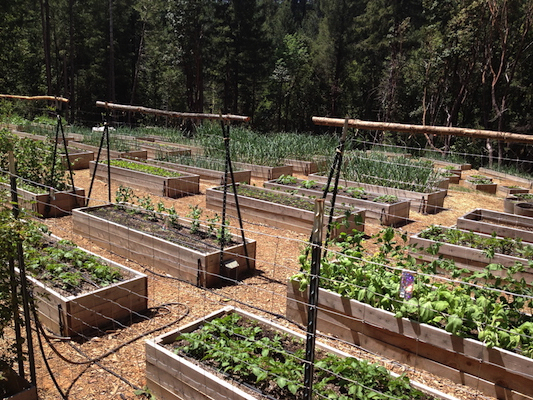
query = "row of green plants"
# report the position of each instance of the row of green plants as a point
(272, 362)
(400, 173)
(116, 141)
(195, 161)
(62, 264)
(264, 149)
(479, 305)
(489, 245)
(283, 198)
(34, 163)
(141, 166)
(144, 208)
(355, 192)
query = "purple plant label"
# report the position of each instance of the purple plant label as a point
(407, 285)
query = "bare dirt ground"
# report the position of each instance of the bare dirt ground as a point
(172, 302)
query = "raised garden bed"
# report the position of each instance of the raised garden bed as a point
(306, 167)
(497, 372)
(50, 205)
(68, 314)
(528, 183)
(447, 164)
(427, 203)
(243, 176)
(79, 159)
(473, 259)
(510, 202)
(498, 223)
(155, 150)
(281, 210)
(196, 261)
(513, 189)
(171, 376)
(393, 213)
(15, 387)
(132, 154)
(264, 171)
(40, 137)
(170, 183)
(482, 184)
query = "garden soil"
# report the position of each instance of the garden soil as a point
(117, 362)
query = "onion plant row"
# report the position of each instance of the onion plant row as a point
(400, 173)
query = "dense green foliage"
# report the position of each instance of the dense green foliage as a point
(459, 63)
(482, 305)
(272, 362)
(34, 163)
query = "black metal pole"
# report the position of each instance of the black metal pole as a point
(316, 243)
(229, 168)
(106, 133)
(22, 273)
(96, 165)
(336, 168)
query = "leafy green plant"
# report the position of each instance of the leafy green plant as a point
(33, 171)
(195, 214)
(356, 192)
(308, 184)
(287, 179)
(479, 305)
(142, 167)
(386, 198)
(257, 355)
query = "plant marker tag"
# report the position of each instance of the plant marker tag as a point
(407, 285)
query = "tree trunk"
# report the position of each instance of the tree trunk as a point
(45, 20)
(111, 93)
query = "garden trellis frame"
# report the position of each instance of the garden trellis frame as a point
(59, 128)
(426, 129)
(224, 119)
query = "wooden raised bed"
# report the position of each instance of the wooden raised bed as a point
(528, 183)
(306, 167)
(265, 172)
(470, 258)
(50, 205)
(155, 150)
(280, 215)
(170, 186)
(17, 387)
(385, 213)
(510, 190)
(41, 137)
(426, 203)
(79, 159)
(502, 224)
(202, 268)
(496, 372)
(133, 154)
(442, 163)
(73, 315)
(173, 377)
(483, 187)
(207, 174)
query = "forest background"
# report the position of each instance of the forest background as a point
(448, 62)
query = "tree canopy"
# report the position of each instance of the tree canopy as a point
(450, 63)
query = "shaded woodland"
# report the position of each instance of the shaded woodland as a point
(450, 63)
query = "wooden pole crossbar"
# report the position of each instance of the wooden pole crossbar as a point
(425, 129)
(175, 114)
(53, 98)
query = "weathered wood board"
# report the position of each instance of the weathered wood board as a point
(496, 372)
(202, 268)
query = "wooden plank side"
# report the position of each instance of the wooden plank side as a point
(503, 368)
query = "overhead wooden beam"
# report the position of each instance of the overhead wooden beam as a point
(53, 98)
(425, 129)
(174, 114)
